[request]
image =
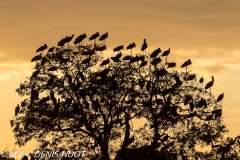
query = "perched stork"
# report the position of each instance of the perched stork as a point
(220, 97)
(201, 81)
(80, 38)
(105, 62)
(166, 53)
(171, 65)
(62, 41)
(185, 64)
(117, 57)
(42, 48)
(65, 40)
(93, 37)
(144, 46)
(68, 39)
(101, 49)
(209, 85)
(51, 49)
(17, 109)
(130, 46)
(119, 48)
(36, 58)
(155, 53)
(103, 37)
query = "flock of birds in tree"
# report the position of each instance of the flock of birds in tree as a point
(153, 56)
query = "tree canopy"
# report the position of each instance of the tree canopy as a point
(77, 100)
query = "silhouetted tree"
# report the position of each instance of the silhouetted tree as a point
(73, 103)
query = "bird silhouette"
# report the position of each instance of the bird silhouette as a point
(185, 64)
(130, 46)
(51, 49)
(209, 85)
(144, 63)
(17, 109)
(80, 38)
(68, 39)
(93, 37)
(165, 54)
(155, 53)
(117, 57)
(144, 46)
(161, 72)
(36, 58)
(191, 77)
(118, 48)
(220, 97)
(86, 61)
(201, 81)
(134, 59)
(105, 62)
(127, 57)
(171, 64)
(156, 61)
(201, 103)
(88, 52)
(42, 48)
(101, 49)
(103, 73)
(103, 37)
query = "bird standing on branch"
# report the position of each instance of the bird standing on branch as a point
(144, 46)
(93, 37)
(103, 37)
(171, 65)
(185, 64)
(105, 62)
(17, 109)
(130, 46)
(80, 38)
(42, 48)
(155, 53)
(201, 81)
(209, 85)
(220, 97)
(119, 48)
(165, 54)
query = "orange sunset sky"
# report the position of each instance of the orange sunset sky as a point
(205, 31)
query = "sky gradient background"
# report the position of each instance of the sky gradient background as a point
(205, 31)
